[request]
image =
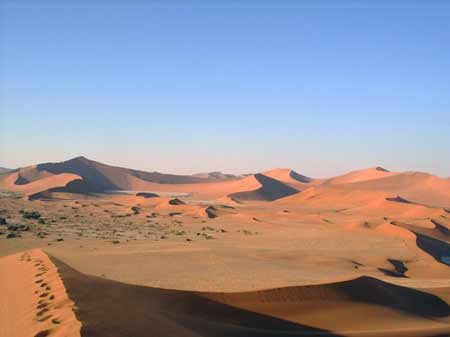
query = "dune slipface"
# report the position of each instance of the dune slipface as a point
(109, 308)
(270, 190)
(112, 308)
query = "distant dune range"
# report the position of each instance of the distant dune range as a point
(81, 175)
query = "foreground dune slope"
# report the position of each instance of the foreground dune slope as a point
(360, 307)
(49, 298)
(33, 300)
(110, 308)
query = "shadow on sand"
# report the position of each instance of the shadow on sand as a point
(110, 308)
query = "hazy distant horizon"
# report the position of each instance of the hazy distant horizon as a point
(320, 87)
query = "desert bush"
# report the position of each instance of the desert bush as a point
(31, 215)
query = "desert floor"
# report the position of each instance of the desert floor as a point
(282, 267)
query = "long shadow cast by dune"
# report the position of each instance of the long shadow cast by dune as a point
(78, 186)
(112, 309)
(364, 289)
(270, 190)
(433, 241)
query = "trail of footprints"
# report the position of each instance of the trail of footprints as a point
(43, 291)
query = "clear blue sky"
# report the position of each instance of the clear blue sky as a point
(241, 86)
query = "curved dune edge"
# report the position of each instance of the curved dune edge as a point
(39, 185)
(34, 302)
(93, 306)
(361, 307)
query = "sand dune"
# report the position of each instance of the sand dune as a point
(361, 307)
(47, 182)
(290, 177)
(34, 301)
(109, 308)
(99, 176)
(48, 178)
(407, 188)
(416, 187)
(270, 190)
(361, 175)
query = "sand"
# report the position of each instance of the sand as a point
(34, 301)
(268, 254)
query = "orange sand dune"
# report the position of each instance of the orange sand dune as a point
(398, 190)
(212, 190)
(34, 301)
(414, 186)
(359, 307)
(270, 190)
(49, 181)
(361, 175)
(291, 178)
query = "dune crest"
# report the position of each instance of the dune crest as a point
(361, 175)
(34, 300)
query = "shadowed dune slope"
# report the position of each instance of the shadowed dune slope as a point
(109, 308)
(78, 186)
(270, 190)
(7, 181)
(364, 289)
(288, 176)
(100, 176)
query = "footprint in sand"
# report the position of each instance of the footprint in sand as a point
(43, 319)
(42, 311)
(43, 333)
(42, 305)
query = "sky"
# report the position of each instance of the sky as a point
(322, 87)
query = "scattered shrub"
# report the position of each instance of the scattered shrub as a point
(136, 210)
(176, 201)
(31, 215)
